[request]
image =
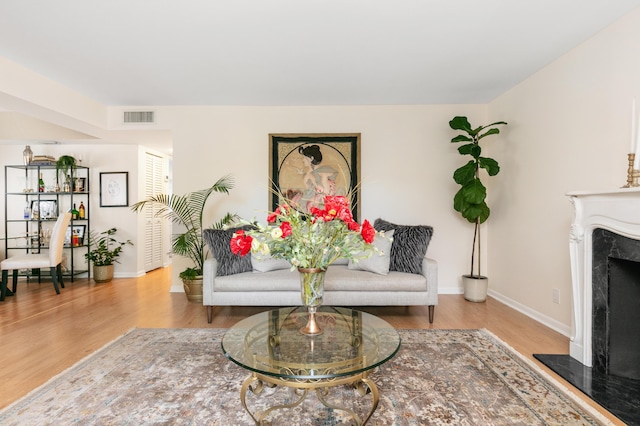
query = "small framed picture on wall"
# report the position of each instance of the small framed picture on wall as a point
(114, 189)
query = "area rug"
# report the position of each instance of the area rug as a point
(181, 377)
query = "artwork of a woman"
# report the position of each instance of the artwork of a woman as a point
(318, 179)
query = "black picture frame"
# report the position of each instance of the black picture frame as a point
(75, 229)
(114, 189)
(44, 209)
(291, 173)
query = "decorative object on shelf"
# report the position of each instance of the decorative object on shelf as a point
(81, 211)
(27, 155)
(187, 211)
(42, 160)
(65, 166)
(79, 184)
(469, 201)
(103, 252)
(44, 209)
(77, 231)
(40, 183)
(309, 242)
(632, 174)
(114, 189)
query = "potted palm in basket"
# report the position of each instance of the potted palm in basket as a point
(187, 211)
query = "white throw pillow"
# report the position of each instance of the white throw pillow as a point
(378, 262)
(266, 263)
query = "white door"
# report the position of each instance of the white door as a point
(154, 184)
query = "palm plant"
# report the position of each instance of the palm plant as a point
(187, 211)
(470, 200)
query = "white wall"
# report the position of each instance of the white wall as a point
(406, 173)
(99, 158)
(569, 129)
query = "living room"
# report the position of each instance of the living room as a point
(568, 130)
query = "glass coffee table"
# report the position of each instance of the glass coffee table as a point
(271, 346)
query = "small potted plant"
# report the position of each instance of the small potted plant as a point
(187, 211)
(64, 165)
(470, 200)
(104, 250)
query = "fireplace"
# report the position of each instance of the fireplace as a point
(604, 353)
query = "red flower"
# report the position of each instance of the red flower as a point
(286, 229)
(241, 243)
(353, 226)
(280, 210)
(368, 233)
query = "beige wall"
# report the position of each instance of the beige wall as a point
(406, 173)
(569, 129)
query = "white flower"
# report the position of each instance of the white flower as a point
(276, 233)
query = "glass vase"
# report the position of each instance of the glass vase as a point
(311, 291)
(27, 155)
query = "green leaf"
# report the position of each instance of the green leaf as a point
(465, 174)
(460, 123)
(475, 212)
(472, 149)
(461, 138)
(490, 165)
(459, 203)
(489, 132)
(474, 192)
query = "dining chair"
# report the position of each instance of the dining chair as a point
(51, 259)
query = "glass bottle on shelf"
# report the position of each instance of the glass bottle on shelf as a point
(74, 212)
(27, 211)
(66, 186)
(81, 210)
(40, 184)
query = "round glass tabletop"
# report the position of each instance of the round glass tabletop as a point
(351, 342)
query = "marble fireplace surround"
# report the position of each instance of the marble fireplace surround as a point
(617, 211)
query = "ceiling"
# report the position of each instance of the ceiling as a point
(296, 52)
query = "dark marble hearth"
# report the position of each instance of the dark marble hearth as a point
(618, 395)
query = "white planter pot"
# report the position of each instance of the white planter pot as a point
(475, 288)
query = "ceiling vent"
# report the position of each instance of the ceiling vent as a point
(139, 117)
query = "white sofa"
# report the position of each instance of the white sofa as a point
(343, 287)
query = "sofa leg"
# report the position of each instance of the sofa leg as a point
(209, 314)
(431, 309)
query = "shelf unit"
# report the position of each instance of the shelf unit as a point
(30, 233)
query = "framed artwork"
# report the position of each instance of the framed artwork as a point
(44, 209)
(306, 167)
(75, 230)
(79, 184)
(114, 189)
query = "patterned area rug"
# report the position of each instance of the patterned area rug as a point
(181, 377)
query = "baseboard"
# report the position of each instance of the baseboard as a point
(531, 313)
(450, 290)
(176, 288)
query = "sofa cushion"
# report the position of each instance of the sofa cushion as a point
(409, 245)
(219, 242)
(377, 263)
(337, 278)
(266, 263)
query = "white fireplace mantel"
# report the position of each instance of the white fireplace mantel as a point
(616, 211)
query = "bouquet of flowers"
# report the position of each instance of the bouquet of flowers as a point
(312, 240)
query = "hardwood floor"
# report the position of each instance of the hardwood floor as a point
(43, 334)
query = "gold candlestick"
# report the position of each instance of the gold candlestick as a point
(630, 179)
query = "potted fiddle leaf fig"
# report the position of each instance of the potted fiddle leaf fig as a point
(103, 252)
(470, 200)
(187, 211)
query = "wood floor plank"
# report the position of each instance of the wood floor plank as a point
(43, 334)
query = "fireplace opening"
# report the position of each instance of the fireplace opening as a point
(624, 318)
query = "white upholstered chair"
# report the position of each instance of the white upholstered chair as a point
(51, 259)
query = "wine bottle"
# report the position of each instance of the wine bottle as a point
(81, 210)
(40, 184)
(74, 212)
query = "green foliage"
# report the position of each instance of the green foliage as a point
(470, 200)
(64, 164)
(187, 211)
(106, 248)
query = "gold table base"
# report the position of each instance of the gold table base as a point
(256, 382)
